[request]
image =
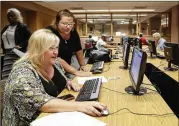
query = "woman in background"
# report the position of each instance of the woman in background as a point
(36, 80)
(14, 35)
(63, 27)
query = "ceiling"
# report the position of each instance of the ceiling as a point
(108, 6)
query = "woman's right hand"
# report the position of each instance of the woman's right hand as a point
(91, 108)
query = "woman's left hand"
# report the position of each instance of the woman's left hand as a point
(72, 85)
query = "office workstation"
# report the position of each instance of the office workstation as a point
(141, 76)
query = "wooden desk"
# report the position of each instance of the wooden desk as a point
(161, 63)
(151, 103)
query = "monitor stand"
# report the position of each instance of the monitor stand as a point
(169, 68)
(131, 90)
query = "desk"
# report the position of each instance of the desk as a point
(151, 103)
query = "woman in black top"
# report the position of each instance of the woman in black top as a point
(70, 43)
(13, 35)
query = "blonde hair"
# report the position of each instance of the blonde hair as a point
(17, 13)
(39, 42)
(157, 35)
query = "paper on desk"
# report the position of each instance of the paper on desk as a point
(67, 119)
(81, 80)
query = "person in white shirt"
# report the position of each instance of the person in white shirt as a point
(101, 44)
(159, 41)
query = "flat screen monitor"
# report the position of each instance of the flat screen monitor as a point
(126, 51)
(136, 72)
(152, 48)
(171, 51)
(124, 39)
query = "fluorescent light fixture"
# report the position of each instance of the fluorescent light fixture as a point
(143, 10)
(123, 10)
(127, 10)
(98, 15)
(78, 11)
(97, 10)
(143, 15)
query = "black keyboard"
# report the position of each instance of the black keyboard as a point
(90, 90)
(160, 56)
(97, 66)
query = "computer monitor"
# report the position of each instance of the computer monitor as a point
(171, 51)
(124, 39)
(139, 43)
(126, 51)
(152, 48)
(136, 72)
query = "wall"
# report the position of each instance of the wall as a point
(35, 16)
(175, 24)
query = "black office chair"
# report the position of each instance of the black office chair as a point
(168, 52)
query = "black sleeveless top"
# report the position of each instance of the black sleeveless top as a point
(56, 85)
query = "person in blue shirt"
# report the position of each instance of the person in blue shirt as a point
(159, 41)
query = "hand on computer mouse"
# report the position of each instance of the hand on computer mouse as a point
(91, 108)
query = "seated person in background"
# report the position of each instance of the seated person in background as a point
(101, 44)
(143, 39)
(36, 80)
(159, 41)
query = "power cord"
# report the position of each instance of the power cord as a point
(153, 86)
(161, 64)
(127, 93)
(114, 90)
(143, 114)
(108, 67)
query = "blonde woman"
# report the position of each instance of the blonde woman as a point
(35, 81)
(13, 35)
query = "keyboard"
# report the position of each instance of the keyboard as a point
(90, 90)
(160, 56)
(115, 56)
(97, 66)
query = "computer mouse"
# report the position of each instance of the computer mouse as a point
(105, 112)
(96, 71)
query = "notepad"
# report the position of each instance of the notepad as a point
(67, 119)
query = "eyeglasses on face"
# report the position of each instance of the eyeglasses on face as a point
(67, 24)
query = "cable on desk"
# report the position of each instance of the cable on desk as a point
(114, 90)
(158, 67)
(108, 67)
(143, 114)
(151, 89)
(127, 93)
(153, 86)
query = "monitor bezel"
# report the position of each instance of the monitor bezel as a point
(153, 49)
(141, 70)
(126, 57)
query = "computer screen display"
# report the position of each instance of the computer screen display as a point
(137, 69)
(135, 65)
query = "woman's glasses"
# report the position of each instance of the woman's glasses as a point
(67, 24)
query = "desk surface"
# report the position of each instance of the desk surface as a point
(161, 63)
(151, 103)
